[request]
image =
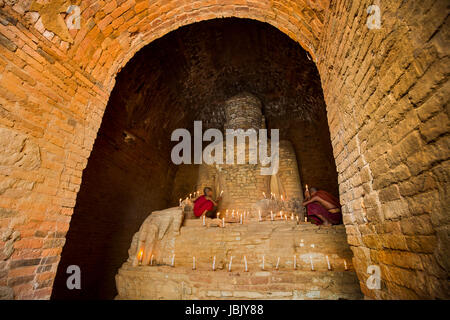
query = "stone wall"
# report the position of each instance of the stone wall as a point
(386, 92)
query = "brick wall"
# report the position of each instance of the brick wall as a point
(385, 90)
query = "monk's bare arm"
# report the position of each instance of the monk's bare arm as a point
(324, 203)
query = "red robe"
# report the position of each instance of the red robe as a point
(315, 208)
(201, 204)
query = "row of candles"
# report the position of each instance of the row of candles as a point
(272, 195)
(194, 266)
(244, 215)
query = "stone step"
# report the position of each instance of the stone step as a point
(164, 282)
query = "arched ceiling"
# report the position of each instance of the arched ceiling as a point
(189, 73)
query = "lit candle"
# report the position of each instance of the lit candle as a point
(193, 263)
(306, 187)
(285, 217)
(292, 216)
(221, 192)
(312, 265)
(151, 260)
(173, 260)
(190, 195)
(328, 263)
(281, 196)
(295, 262)
(180, 202)
(204, 220)
(241, 219)
(278, 263)
(214, 263)
(306, 219)
(281, 214)
(345, 264)
(229, 265)
(140, 255)
(245, 263)
(263, 263)
(223, 222)
(271, 215)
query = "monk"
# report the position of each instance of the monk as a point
(322, 207)
(205, 205)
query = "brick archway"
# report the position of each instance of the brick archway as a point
(385, 92)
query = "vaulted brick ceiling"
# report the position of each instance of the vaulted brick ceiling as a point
(188, 74)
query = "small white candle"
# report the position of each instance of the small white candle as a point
(151, 260)
(259, 213)
(278, 263)
(345, 264)
(292, 216)
(173, 260)
(229, 265)
(221, 192)
(271, 215)
(306, 219)
(264, 195)
(214, 263)
(295, 262)
(223, 222)
(204, 220)
(190, 195)
(328, 263)
(180, 202)
(245, 263)
(263, 263)
(241, 219)
(312, 265)
(281, 214)
(193, 263)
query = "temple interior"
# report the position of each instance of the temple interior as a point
(194, 73)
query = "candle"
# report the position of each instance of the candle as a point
(223, 222)
(306, 219)
(281, 214)
(180, 202)
(193, 263)
(204, 220)
(285, 217)
(140, 255)
(263, 263)
(229, 265)
(259, 213)
(241, 219)
(264, 195)
(328, 263)
(151, 260)
(312, 265)
(271, 215)
(292, 216)
(306, 187)
(221, 192)
(345, 264)
(214, 263)
(173, 260)
(278, 263)
(190, 195)
(295, 262)
(296, 218)
(281, 196)
(245, 263)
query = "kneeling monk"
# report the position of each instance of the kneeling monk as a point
(322, 207)
(205, 205)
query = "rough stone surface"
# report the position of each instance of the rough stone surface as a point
(386, 92)
(158, 279)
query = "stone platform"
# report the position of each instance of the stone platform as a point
(253, 240)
